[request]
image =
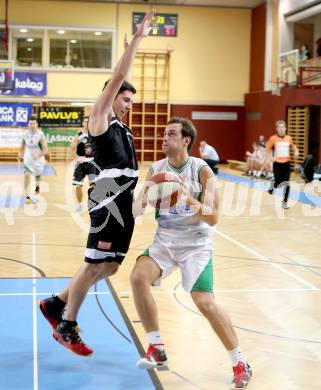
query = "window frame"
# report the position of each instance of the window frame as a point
(46, 47)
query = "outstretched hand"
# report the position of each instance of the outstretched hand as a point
(144, 29)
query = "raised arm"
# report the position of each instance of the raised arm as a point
(102, 109)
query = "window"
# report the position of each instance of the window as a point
(62, 48)
(27, 47)
(80, 49)
(3, 48)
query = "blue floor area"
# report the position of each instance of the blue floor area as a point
(265, 185)
(32, 359)
(11, 201)
(17, 170)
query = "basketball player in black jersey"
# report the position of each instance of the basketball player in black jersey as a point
(82, 148)
(110, 199)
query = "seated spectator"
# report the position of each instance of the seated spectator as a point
(304, 53)
(254, 160)
(262, 141)
(267, 165)
(209, 155)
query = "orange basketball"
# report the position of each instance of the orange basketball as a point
(164, 190)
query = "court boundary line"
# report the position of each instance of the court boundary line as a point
(253, 252)
(34, 315)
(152, 373)
(217, 290)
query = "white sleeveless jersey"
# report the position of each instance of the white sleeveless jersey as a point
(179, 221)
(32, 142)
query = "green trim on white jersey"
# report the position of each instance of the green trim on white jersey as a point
(180, 220)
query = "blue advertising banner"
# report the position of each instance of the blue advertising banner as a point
(15, 114)
(26, 83)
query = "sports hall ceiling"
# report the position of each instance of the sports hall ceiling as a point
(208, 3)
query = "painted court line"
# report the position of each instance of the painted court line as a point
(222, 290)
(254, 253)
(49, 293)
(34, 315)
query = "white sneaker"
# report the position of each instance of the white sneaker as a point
(155, 358)
(30, 200)
(79, 208)
(242, 376)
(285, 205)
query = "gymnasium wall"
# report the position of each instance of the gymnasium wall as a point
(258, 48)
(58, 13)
(227, 136)
(210, 61)
(262, 110)
(275, 39)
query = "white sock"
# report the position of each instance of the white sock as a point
(236, 356)
(155, 338)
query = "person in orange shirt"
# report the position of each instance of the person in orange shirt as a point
(281, 143)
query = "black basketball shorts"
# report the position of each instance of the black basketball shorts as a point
(81, 171)
(111, 228)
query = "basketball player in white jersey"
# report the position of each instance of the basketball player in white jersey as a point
(33, 150)
(183, 241)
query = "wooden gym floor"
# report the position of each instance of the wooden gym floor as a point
(267, 272)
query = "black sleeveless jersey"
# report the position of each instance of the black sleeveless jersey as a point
(114, 154)
(84, 147)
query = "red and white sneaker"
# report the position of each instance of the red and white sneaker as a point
(242, 376)
(155, 358)
(69, 337)
(52, 309)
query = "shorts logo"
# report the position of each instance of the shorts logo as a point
(104, 245)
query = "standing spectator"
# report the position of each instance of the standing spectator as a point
(304, 53)
(318, 42)
(281, 143)
(209, 155)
